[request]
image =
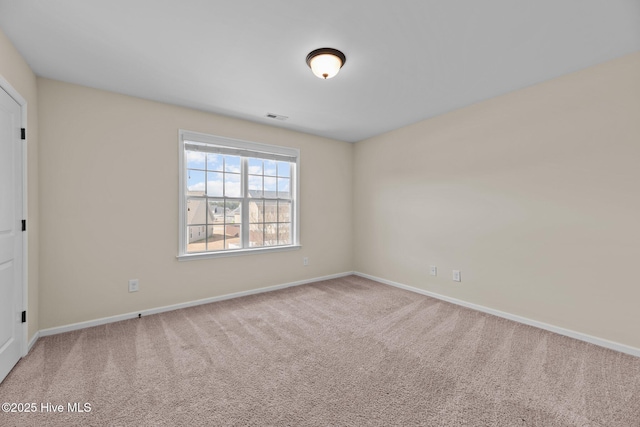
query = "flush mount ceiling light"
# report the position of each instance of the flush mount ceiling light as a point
(326, 62)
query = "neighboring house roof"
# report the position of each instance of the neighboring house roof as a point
(195, 210)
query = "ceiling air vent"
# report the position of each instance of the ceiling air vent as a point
(276, 116)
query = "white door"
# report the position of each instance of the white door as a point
(10, 234)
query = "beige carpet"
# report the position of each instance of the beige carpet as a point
(344, 352)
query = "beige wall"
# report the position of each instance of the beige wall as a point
(109, 197)
(17, 72)
(534, 196)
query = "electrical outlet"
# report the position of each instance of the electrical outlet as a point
(433, 270)
(305, 261)
(134, 285)
(456, 276)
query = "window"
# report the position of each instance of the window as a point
(236, 196)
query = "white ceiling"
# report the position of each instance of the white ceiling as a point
(407, 60)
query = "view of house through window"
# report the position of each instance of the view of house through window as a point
(237, 195)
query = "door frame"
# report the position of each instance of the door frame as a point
(13, 93)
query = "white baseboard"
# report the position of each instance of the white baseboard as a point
(32, 341)
(558, 330)
(117, 318)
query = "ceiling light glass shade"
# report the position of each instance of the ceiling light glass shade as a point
(326, 62)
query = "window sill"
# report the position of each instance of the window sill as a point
(238, 252)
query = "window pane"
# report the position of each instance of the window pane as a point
(284, 234)
(255, 166)
(256, 211)
(270, 187)
(232, 164)
(284, 169)
(233, 209)
(270, 211)
(216, 211)
(232, 187)
(197, 238)
(216, 238)
(270, 168)
(195, 183)
(232, 236)
(270, 234)
(196, 211)
(256, 235)
(195, 160)
(284, 188)
(284, 211)
(214, 184)
(255, 186)
(214, 162)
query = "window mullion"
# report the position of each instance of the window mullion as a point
(244, 185)
(292, 201)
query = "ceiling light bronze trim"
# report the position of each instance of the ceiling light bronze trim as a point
(326, 51)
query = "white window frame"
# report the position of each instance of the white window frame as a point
(185, 136)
